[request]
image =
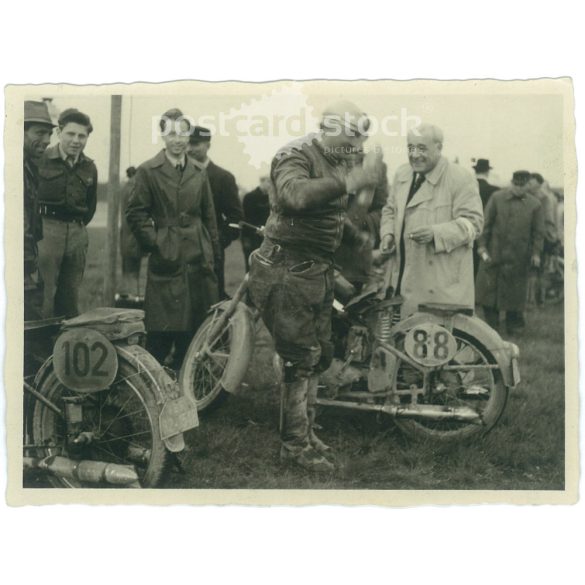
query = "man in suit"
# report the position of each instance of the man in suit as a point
(431, 219)
(256, 211)
(67, 197)
(228, 208)
(482, 170)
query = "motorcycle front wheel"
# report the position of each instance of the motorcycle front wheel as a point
(473, 382)
(205, 362)
(119, 425)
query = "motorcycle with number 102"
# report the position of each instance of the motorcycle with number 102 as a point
(441, 373)
(99, 410)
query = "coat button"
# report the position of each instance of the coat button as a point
(431, 290)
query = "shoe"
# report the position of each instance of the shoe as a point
(309, 459)
(319, 446)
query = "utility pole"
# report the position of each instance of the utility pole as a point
(113, 202)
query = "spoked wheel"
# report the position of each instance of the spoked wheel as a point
(205, 362)
(117, 425)
(470, 380)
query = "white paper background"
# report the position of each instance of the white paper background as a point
(109, 42)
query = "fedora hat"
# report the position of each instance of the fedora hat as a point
(482, 165)
(37, 112)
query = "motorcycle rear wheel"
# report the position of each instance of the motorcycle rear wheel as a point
(489, 398)
(204, 365)
(123, 421)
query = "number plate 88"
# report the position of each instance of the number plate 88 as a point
(85, 360)
(430, 344)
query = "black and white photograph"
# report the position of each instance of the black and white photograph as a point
(309, 287)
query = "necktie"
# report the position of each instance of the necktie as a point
(415, 186)
(71, 161)
(179, 167)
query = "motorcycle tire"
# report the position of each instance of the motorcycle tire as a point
(123, 421)
(203, 366)
(491, 407)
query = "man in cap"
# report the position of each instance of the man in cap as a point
(291, 274)
(228, 208)
(38, 128)
(431, 219)
(67, 198)
(482, 170)
(510, 245)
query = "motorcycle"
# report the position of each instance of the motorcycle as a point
(441, 373)
(99, 410)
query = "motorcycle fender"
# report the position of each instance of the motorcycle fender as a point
(178, 411)
(241, 348)
(504, 352)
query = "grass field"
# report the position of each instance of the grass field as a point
(236, 446)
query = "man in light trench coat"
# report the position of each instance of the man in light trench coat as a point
(431, 219)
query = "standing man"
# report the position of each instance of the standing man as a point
(38, 128)
(536, 188)
(482, 170)
(510, 245)
(67, 197)
(256, 211)
(228, 208)
(172, 216)
(291, 274)
(431, 219)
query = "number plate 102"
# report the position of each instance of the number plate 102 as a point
(430, 344)
(85, 360)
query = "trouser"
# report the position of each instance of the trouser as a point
(131, 275)
(514, 319)
(160, 343)
(62, 255)
(219, 268)
(33, 297)
(295, 296)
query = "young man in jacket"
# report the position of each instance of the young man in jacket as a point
(172, 216)
(291, 274)
(67, 199)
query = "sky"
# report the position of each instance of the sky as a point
(513, 131)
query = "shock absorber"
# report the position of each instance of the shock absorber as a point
(384, 326)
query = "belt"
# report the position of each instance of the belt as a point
(183, 220)
(58, 213)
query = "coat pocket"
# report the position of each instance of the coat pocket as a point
(52, 186)
(166, 258)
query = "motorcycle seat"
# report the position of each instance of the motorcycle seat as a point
(445, 309)
(113, 323)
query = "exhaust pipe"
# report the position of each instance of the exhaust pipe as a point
(423, 411)
(90, 471)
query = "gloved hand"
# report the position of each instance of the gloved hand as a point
(535, 261)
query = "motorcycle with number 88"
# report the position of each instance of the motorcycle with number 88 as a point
(441, 373)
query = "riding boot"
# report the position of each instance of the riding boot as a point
(296, 447)
(315, 441)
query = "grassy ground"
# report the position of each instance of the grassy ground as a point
(236, 446)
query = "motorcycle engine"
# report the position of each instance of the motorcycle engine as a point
(358, 347)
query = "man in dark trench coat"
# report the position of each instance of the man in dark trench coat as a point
(171, 214)
(511, 243)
